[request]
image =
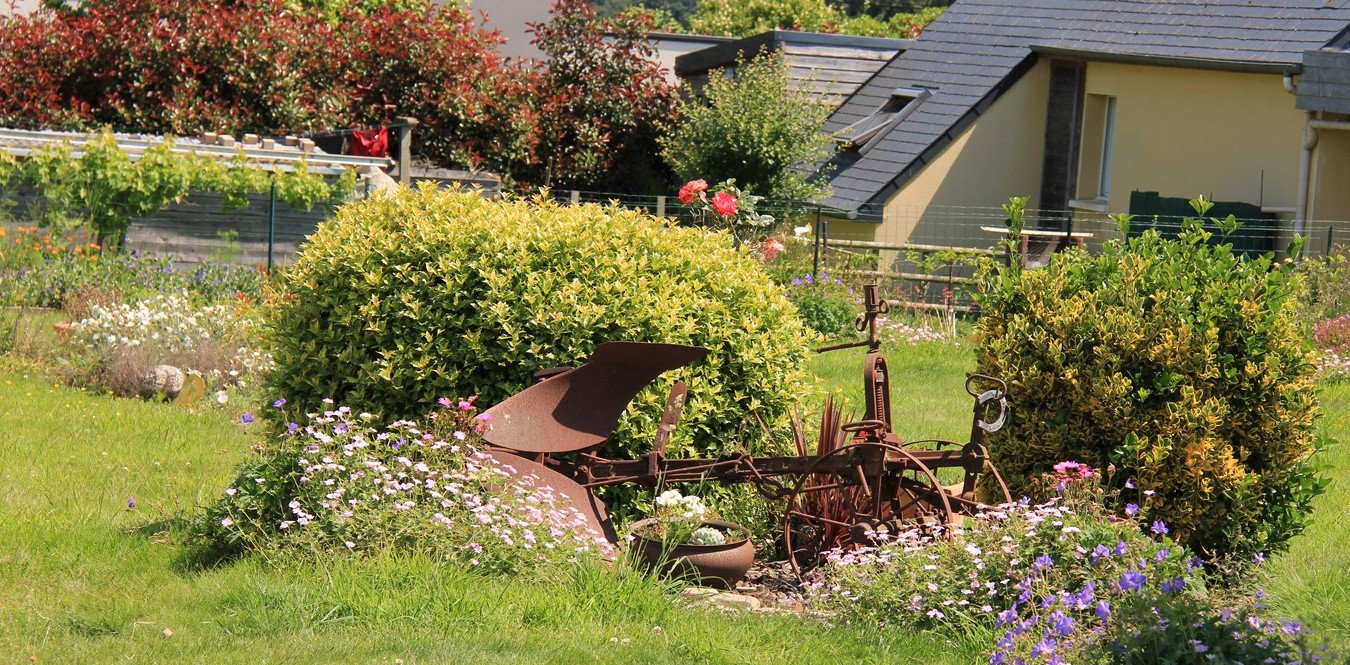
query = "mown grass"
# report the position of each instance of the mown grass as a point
(928, 395)
(1311, 581)
(84, 578)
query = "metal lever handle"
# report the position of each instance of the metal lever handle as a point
(984, 399)
(863, 425)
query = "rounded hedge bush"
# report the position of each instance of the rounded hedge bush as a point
(404, 299)
(1176, 360)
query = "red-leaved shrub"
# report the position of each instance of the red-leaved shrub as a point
(272, 67)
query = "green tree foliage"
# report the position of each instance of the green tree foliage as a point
(401, 300)
(1177, 361)
(742, 18)
(753, 128)
(679, 11)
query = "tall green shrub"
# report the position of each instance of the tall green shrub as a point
(753, 128)
(424, 294)
(1177, 361)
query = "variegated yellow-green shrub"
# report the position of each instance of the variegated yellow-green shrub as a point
(1176, 360)
(424, 294)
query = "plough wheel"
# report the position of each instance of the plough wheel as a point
(849, 494)
(989, 487)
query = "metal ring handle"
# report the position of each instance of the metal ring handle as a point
(991, 396)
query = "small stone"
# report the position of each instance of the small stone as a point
(745, 588)
(732, 601)
(162, 379)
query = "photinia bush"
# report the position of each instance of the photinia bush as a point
(600, 103)
(589, 117)
(263, 66)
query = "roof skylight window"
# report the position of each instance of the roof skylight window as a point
(901, 103)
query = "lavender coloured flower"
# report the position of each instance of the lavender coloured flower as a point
(131, 502)
(1043, 648)
(1132, 580)
(1061, 623)
(292, 428)
(1103, 610)
(279, 403)
(1159, 528)
(1131, 509)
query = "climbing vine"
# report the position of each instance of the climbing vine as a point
(106, 187)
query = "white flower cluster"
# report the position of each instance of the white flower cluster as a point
(678, 505)
(169, 323)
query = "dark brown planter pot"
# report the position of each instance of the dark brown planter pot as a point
(710, 565)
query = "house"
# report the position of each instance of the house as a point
(19, 8)
(671, 46)
(1096, 106)
(829, 65)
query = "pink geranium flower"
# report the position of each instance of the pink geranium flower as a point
(724, 204)
(692, 190)
(771, 248)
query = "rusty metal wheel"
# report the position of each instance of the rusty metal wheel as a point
(848, 496)
(989, 487)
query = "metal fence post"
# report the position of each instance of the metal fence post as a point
(815, 237)
(271, 221)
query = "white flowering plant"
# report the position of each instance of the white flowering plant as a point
(681, 519)
(342, 483)
(118, 343)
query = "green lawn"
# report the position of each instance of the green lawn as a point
(85, 579)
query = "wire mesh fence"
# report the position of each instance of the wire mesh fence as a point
(930, 254)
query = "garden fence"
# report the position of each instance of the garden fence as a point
(929, 254)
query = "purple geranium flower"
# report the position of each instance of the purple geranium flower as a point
(1159, 528)
(279, 403)
(1103, 610)
(247, 419)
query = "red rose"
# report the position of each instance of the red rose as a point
(691, 190)
(724, 204)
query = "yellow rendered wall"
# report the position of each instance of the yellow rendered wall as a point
(1184, 132)
(998, 157)
(1330, 198)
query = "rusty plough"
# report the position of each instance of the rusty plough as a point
(840, 497)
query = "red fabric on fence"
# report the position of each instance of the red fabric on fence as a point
(371, 142)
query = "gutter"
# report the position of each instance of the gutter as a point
(1221, 64)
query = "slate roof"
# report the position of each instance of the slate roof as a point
(979, 48)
